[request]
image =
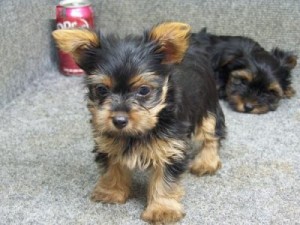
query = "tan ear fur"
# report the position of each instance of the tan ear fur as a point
(276, 88)
(73, 41)
(173, 38)
(292, 61)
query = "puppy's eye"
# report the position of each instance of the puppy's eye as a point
(236, 81)
(102, 91)
(239, 81)
(274, 92)
(143, 91)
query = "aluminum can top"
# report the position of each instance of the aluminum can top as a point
(74, 3)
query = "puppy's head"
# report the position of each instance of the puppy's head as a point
(127, 78)
(257, 80)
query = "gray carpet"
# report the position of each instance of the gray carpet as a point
(46, 166)
(47, 171)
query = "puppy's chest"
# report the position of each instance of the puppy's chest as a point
(142, 154)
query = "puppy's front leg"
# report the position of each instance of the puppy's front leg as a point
(113, 186)
(164, 195)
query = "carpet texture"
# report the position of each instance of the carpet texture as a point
(47, 170)
(48, 173)
(25, 37)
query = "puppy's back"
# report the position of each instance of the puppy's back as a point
(194, 80)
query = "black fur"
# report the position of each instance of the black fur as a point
(101, 158)
(232, 53)
(175, 169)
(191, 95)
(149, 96)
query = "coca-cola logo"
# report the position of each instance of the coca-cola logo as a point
(71, 24)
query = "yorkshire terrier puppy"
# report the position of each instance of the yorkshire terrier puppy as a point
(149, 96)
(250, 78)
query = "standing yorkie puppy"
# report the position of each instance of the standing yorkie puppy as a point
(148, 96)
(250, 78)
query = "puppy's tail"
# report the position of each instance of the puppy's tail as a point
(203, 30)
(202, 38)
(202, 33)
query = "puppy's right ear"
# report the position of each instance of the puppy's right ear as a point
(75, 41)
(223, 57)
(173, 40)
(286, 59)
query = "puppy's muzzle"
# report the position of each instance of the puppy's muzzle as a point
(248, 107)
(120, 121)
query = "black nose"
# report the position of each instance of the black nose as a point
(120, 121)
(248, 107)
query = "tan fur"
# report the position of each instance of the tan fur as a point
(173, 38)
(154, 153)
(141, 156)
(100, 79)
(207, 161)
(289, 92)
(73, 41)
(140, 119)
(292, 61)
(242, 74)
(114, 185)
(143, 79)
(163, 200)
(238, 102)
(163, 197)
(239, 105)
(276, 88)
(260, 109)
(99, 117)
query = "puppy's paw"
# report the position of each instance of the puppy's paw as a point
(202, 167)
(109, 196)
(160, 214)
(289, 92)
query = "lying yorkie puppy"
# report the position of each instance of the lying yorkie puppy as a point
(149, 95)
(250, 78)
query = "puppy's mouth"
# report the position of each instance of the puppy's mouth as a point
(121, 127)
(123, 124)
(260, 109)
(240, 105)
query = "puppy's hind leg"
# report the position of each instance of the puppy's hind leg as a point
(210, 130)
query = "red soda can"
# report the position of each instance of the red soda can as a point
(70, 14)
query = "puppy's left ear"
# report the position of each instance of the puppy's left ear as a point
(75, 41)
(173, 40)
(286, 59)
